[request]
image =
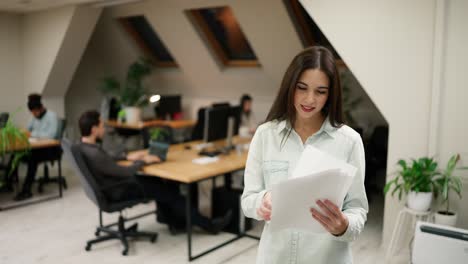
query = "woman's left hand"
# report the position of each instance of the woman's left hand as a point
(333, 220)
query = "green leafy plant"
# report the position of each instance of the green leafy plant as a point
(159, 134)
(11, 138)
(446, 182)
(418, 177)
(159, 142)
(132, 92)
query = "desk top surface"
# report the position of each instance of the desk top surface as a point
(151, 123)
(179, 166)
(36, 143)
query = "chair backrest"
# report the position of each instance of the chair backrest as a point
(4, 119)
(90, 186)
(62, 125)
(197, 132)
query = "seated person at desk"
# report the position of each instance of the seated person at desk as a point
(248, 123)
(44, 124)
(170, 203)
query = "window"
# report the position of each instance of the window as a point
(141, 31)
(223, 33)
(308, 30)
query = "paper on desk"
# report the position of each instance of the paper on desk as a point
(313, 160)
(205, 160)
(33, 140)
(292, 199)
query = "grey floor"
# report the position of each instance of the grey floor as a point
(55, 232)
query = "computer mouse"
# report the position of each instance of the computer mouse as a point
(188, 147)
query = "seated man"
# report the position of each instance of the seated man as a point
(44, 124)
(108, 173)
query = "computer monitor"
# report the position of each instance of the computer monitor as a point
(4, 119)
(221, 104)
(216, 123)
(168, 106)
(217, 120)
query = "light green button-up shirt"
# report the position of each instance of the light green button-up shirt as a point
(268, 164)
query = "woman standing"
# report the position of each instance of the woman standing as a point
(306, 111)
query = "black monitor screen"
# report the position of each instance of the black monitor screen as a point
(169, 105)
(218, 122)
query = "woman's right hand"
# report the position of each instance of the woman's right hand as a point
(264, 211)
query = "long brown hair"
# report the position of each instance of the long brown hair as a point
(316, 57)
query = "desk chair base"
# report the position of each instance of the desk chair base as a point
(121, 233)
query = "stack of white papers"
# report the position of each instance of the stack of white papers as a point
(317, 176)
(205, 160)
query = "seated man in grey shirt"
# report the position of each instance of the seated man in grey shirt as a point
(44, 124)
(108, 173)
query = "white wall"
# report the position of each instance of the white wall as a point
(53, 44)
(43, 34)
(453, 129)
(11, 63)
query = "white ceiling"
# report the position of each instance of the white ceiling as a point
(23, 6)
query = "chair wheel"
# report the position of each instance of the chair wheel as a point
(153, 238)
(125, 252)
(97, 233)
(88, 247)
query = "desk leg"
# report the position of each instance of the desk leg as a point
(188, 216)
(228, 181)
(144, 136)
(60, 177)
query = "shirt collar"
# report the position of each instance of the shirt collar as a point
(326, 127)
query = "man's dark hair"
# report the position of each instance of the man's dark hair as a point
(34, 101)
(244, 99)
(87, 121)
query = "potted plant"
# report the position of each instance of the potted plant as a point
(12, 138)
(159, 142)
(131, 95)
(416, 181)
(446, 182)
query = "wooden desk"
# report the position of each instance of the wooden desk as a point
(174, 124)
(35, 144)
(179, 167)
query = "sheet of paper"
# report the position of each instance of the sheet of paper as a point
(33, 140)
(292, 199)
(313, 160)
(205, 160)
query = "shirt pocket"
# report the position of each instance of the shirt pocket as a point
(275, 171)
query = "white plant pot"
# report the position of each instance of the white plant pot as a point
(132, 115)
(419, 201)
(448, 220)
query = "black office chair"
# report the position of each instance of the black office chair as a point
(3, 167)
(96, 195)
(4, 119)
(54, 156)
(197, 132)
